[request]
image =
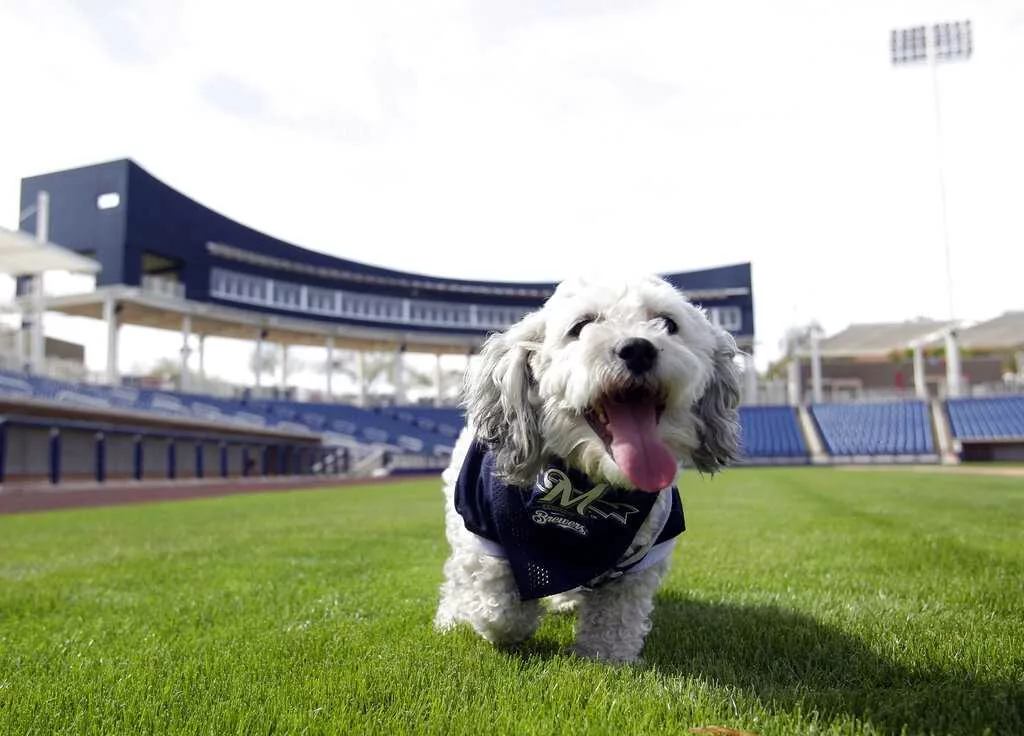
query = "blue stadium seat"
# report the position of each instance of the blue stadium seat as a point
(768, 431)
(896, 428)
(15, 385)
(446, 421)
(992, 418)
(771, 432)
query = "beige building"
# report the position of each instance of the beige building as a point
(913, 359)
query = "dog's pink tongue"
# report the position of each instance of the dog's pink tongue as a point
(636, 446)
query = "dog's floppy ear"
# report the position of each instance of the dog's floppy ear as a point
(718, 409)
(500, 401)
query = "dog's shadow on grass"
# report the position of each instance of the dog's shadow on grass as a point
(786, 659)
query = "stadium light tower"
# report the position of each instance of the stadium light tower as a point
(941, 43)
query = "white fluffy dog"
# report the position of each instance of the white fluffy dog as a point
(561, 487)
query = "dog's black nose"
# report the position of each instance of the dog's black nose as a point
(638, 353)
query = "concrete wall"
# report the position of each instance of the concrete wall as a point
(27, 455)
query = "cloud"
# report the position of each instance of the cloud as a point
(496, 21)
(131, 32)
(338, 76)
(236, 97)
(520, 139)
(250, 105)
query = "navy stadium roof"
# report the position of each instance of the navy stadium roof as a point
(138, 227)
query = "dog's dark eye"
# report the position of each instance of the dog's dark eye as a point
(578, 326)
(670, 325)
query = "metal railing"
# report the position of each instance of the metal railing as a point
(163, 287)
(55, 368)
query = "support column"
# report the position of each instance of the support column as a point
(330, 369)
(38, 334)
(398, 377)
(284, 367)
(817, 394)
(362, 378)
(38, 350)
(920, 383)
(953, 388)
(186, 351)
(793, 375)
(19, 338)
(258, 357)
(110, 310)
(750, 379)
(439, 379)
(43, 217)
(202, 358)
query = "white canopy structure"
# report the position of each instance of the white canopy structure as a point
(22, 254)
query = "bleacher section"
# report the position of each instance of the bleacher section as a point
(444, 420)
(898, 429)
(856, 432)
(343, 422)
(995, 418)
(772, 433)
(364, 425)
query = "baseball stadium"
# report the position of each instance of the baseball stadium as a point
(871, 529)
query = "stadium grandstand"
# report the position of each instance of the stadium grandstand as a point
(922, 391)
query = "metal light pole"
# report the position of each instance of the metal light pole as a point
(942, 42)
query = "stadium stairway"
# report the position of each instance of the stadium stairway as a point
(812, 436)
(943, 433)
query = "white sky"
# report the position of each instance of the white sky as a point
(524, 139)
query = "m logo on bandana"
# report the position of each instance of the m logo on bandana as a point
(562, 532)
(557, 491)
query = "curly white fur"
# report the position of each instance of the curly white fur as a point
(527, 399)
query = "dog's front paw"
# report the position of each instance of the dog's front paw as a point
(609, 655)
(444, 621)
(563, 603)
(506, 631)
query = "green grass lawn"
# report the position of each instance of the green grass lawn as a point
(800, 601)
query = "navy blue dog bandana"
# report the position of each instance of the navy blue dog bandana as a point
(563, 533)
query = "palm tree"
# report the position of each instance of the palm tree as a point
(267, 361)
(166, 369)
(797, 338)
(379, 369)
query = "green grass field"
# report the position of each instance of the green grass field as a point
(801, 601)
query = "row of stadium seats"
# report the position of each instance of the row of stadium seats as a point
(902, 428)
(768, 431)
(445, 420)
(871, 429)
(771, 432)
(363, 425)
(875, 429)
(349, 422)
(996, 418)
